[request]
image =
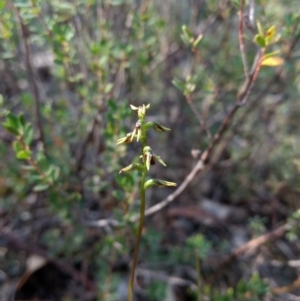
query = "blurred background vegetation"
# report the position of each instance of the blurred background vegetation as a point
(69, 70)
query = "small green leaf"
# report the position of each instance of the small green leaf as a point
(260, 41)
(2, 4)
(186, 36)
(187, 32)
(11, 129)
(270, 54)
(185, 40)
(197, 41)
(133, 167)
(69, 34)
(17, 146)
(49, 170)
(40, 187)
(52, 173)
(179, 84)
(28, 134)
(23, 155)
(12, 124)
(56, 173)
(22, 119)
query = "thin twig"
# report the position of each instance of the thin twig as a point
(198, 276)
(28, 62)
(162, 59)
(82, 149)
(242, 40)
(200, 120)
(189, 98)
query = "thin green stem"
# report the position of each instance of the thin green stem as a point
(141, 222)
(198, 276)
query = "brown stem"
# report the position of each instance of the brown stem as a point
(242, 40)
(141, 219)
(200, 120)
(23, 32)
(138, 238)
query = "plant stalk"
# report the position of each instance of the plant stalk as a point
(198, 276)
(141, 221)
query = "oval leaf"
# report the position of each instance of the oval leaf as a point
(270, 34)
(272, 61)
(23, 155)
(271, 54)
(260, 41)
(10, 129)
(179, 84)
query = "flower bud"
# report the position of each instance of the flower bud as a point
(137, 131)
(159, 183)
(150, 157)
(126, 139)
(157, 127)
(132, 167)
(141, 110)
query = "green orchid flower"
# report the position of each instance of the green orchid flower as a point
(159, 183)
